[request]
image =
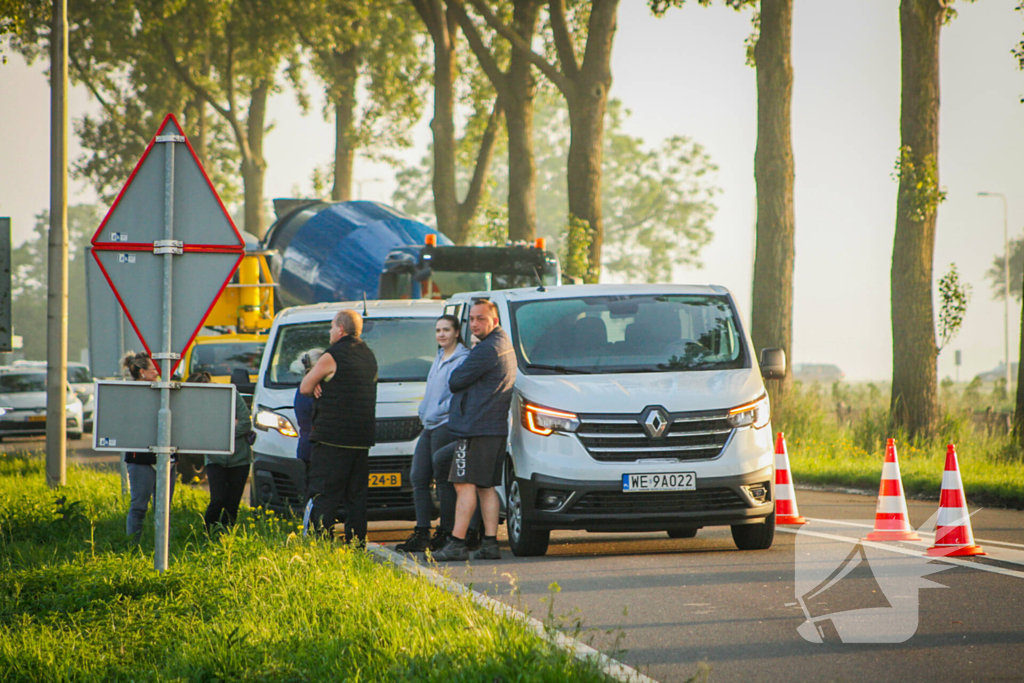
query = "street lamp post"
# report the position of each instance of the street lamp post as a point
(1006, 283)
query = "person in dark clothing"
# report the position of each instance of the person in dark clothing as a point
(141, 465)
(304, 409)
(478, 419)
(344, 382)
(227, 474)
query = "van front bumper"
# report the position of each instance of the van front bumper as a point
(603, 506)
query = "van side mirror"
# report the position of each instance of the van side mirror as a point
(773, 363)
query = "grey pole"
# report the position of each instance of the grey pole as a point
(163, 422)
(1006, 285)
(57, 257)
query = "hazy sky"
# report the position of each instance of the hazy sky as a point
(684, 74)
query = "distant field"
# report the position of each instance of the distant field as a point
(836, 436)
(78, 602)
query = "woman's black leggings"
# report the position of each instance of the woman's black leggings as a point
(226, 487)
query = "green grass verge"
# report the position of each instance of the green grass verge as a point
(827, 450)
(79, 602)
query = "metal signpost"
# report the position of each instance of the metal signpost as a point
(6, 328)
(167, 248)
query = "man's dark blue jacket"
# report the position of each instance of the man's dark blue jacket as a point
(482, 388)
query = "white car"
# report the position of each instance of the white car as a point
(636, 408)
(23, 404)
(401, 335)
(80, 379)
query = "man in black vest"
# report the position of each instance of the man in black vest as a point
(344, 382)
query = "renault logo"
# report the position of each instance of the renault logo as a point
(656, 423)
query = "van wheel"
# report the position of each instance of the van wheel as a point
(524, 540)
(755, 536)
(683, 532)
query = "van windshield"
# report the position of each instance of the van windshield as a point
(645, 333)
(404, 347)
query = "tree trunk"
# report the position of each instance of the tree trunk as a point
(587, 105)
(446, 202)
(1018, 414)
(587, 99)
(914, 404)
(772, 301)
(347, 65)
(517, 100)
(254, 166)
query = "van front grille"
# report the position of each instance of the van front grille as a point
(396, 429)
(622, 503)
(623, 438)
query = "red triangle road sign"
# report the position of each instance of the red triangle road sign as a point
(129, 245)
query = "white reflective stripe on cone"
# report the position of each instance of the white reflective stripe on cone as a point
(891, 504)
(951, 480)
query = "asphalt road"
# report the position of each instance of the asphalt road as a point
(665, 606)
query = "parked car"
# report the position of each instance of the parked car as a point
(636, 408)
(23, 404)
(401, 335)
(80, 379)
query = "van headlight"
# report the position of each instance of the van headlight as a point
(267, 419)
(756, 414)
(544, 421)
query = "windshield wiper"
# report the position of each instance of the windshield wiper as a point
(558, 368)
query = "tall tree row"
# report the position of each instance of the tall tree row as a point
(453, 215)
(368, 47)
(772, 300)
(516, 88)
(774, 172)
(584, 81)
(914, 403)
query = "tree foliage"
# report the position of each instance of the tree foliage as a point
(659, 201)
(118, 58)
(577, 61)
(995, 274)
(953, 299)
(29, 285)
(373, 48)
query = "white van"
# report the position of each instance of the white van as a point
(401, 335)
(636, 408)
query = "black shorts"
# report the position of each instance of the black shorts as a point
(478, 461)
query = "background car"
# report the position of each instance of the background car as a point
(23, 404)
(80, 379)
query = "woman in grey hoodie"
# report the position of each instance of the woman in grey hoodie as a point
(434, 415)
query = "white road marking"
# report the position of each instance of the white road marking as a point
(908, 551)
(979, 541)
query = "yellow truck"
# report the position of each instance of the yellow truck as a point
(233, 337)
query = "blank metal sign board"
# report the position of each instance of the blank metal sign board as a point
(210, 246)
(111, 336)
(203, 417)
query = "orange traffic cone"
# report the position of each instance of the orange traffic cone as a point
(785, 498)
(891, 520)
(953, 535)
